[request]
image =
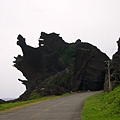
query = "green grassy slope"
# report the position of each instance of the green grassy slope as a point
(104, 106)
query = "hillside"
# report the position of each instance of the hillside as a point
(104, 106)
(57, 67)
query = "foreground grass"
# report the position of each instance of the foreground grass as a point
(16, 105)
(104, 106)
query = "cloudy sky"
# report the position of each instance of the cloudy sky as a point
(93, 21)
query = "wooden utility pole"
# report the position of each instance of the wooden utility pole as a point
(108, 69)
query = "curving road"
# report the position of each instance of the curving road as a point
(65, 108)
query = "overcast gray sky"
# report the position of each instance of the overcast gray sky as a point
(93, 21)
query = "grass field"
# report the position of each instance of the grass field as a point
(104, 106)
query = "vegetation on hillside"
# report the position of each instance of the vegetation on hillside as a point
(104, 106)
(68, 55)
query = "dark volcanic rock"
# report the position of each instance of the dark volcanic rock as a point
(56, 67)
(88, 68)
(114, 71)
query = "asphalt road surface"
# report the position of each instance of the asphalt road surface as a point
(65, 108)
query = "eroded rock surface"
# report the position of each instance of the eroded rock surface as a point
(56, 67)
(114, 66)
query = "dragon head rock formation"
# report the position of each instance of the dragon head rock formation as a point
(56, 67)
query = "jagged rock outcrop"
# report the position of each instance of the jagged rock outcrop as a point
(56, 67)
(113, 75)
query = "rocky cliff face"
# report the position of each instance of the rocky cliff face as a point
(113, 76)
(56, 67)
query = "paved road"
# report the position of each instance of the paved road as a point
(66, 108)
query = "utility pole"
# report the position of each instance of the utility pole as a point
(108, 70)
